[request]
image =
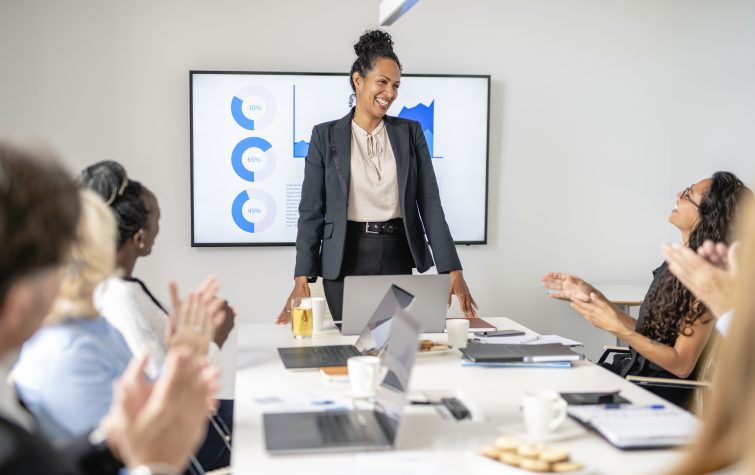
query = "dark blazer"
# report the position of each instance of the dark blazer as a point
(321, 235)
(22, 453)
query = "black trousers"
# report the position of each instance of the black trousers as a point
(368, 254)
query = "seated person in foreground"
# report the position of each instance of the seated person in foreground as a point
(674, 326)
(149, 427)
(65, 373)
(724, 444)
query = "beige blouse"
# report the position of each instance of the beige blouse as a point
(373, 188)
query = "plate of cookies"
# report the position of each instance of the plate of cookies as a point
(430, 347)
(531, 458)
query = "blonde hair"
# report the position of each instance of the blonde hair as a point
(92, 260)
(729, 423)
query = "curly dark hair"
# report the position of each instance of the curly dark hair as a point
(372, 45)
(124, 196)
(672, 309)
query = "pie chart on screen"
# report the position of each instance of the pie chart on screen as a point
(253, 107)
(253, 210)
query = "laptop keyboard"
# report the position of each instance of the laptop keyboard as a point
(340, 428)
(334, 353)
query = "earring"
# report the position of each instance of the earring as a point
(141, 245)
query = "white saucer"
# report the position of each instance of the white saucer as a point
(436, 352)
(568, 430)
(509, 469)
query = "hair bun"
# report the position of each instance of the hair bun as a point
(373, 41)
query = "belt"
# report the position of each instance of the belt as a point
(394, 226)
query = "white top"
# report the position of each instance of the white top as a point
(373, 187)
(144, 325)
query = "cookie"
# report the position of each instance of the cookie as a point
(530, 451)
(490, 452)
(554, 456)
(534, 465)
(507, 443)
(510, 458)
(425, 345)
(564, 467)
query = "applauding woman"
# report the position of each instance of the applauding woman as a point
(673, 326)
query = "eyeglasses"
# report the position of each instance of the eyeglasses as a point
(686, 194)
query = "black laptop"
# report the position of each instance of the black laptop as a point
(376, 429)
(373, 338)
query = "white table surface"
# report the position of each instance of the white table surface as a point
(427, 442)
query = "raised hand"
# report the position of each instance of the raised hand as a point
(191, 319)
(708, 273)
(567, 286)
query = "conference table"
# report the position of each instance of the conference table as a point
(428, 442)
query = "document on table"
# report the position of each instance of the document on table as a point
(631, 426)
(302, 402)
(528, 339)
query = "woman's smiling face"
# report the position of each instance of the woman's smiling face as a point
(377, 91)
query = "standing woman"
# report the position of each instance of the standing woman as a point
(370, 196)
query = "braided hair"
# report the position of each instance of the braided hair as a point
(124, 196)
(672, 309)
(372, 46)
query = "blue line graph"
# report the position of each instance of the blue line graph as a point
(425, 115)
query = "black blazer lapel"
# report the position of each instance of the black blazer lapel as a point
(340, 150)
(398, 134)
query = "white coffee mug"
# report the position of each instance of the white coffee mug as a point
(544, 412)
(364, 374)
(458, 332)
(318, 314)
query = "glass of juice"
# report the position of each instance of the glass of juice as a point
(301, 318)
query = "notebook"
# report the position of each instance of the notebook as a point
(485, 353)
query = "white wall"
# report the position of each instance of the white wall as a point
(601, 110)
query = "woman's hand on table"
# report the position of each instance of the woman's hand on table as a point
(459, 288)
(301, 290)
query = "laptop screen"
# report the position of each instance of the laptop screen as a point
(397, 361)
(378, 329)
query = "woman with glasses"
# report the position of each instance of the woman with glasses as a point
(673, 326)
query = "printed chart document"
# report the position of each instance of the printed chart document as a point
(631, 426)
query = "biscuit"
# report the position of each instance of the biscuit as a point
(554, 456)
(564, 467)
(530, 451)
(510, 458)
(490, 452)
(425, 345)
(507, 443)
(535, 465)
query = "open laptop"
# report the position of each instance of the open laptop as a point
(357, 429)
(373, 336)
(364, 291)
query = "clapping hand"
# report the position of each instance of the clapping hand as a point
(193, 319)
(709, 274)
(567, 286)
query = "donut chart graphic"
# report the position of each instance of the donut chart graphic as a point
(253, 159)
(253, 107)
(253, 210)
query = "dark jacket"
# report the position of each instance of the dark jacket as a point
(321, 235)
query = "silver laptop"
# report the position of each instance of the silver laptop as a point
(373, 337)
(362, 293)
(358, 429)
